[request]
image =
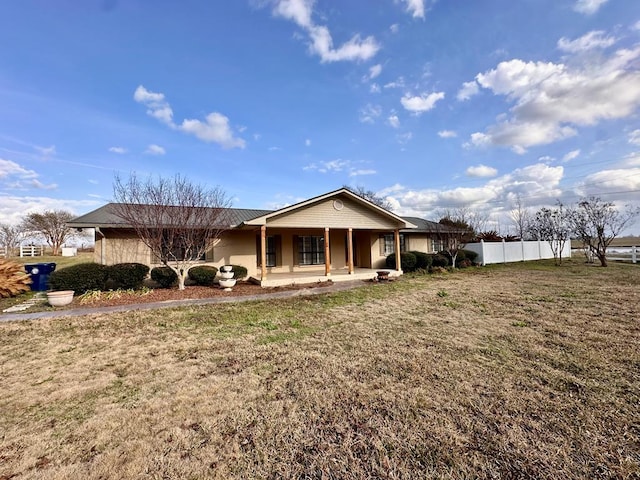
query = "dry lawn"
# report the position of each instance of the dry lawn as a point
(521, 371)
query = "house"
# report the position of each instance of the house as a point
(338, 236)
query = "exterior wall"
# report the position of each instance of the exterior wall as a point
(121, 246)
(236, 247)
(418, 242)
(323, 214)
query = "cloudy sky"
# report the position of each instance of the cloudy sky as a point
(433, 104)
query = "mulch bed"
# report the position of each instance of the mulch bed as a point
(108, 299)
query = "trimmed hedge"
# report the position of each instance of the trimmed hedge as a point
(166, 277)
(438, 260)
(128, 275)
(239, 272)
(80, 278)
(423, 260)
(203, 275)
(407, 261)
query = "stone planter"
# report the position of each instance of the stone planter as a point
(226, 275)
(61, 298)
(226, 268)
(227, 283)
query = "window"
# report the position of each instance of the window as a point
(271, 251)
(311, 250)
(176, 249)
(388, 244)
(437, 245)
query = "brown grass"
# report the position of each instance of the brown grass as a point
(522, 371)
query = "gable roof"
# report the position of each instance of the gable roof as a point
(427, 226)
(262, 219)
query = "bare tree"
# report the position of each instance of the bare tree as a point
(552, 225)
(10, 237)
(370, 195)
(472, 219)
(597, 223)
(51, 225)
(521, 218)
(178, 220)
(453, 234)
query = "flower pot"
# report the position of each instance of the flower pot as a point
(226, 268)
(226, 275)
(227, 283)
(61, 298)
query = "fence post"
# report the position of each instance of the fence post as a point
(504, 251)
(522, 245)
(539, 250)
(634, 254)
(482, 250)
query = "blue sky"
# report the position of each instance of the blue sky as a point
(432, 104)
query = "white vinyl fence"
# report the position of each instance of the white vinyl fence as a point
(505, 252)
(31, 250)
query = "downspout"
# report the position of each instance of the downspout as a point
(103, 245)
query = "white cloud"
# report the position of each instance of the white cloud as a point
(481, 171)
(573, 154)
(13, 208)
(447, 134)
(118, 150)
(415, 8)
(154, 149)
(307, 142)
(46, 151)
(546, 159)
(468, 90)
(588, 7)
(331, 166)
(611, 181)
(35, 183)
(422, 103)
(397, 83)
(369, 113)
(374, 88)
(589, 41)
(9, 168)
(215, 128)
(395, 28)
(375, 71)
(551, 100)
(394, 121)
(634, 137)
(301, 11)
(357, 173)
(636, 26)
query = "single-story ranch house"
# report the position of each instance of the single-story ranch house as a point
(338, 236)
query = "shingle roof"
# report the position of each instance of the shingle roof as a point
(106, 217)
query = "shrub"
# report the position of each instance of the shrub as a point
(80, 278)
(13, 279)
(470, 255)
(166, 277)
(423, 260)
(128, 275)
(438, 260)
(203, 275)
(407, 261)
(239, 272)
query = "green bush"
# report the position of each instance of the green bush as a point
(438, 260)
(203, 275)
(423, 260)
(469, 255)
(166, 277)
(128, 275)
(239, 272)
(80, 278)
(407, 261)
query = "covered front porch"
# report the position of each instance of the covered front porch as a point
(318, 275)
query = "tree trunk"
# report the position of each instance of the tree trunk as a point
(603, 260)
(181, 278)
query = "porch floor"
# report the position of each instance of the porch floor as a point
(314, 276)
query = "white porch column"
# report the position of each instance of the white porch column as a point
(327, 253)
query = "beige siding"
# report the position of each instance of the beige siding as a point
(418, 242)
(235, 248)
(122, 247)
(323, 214)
